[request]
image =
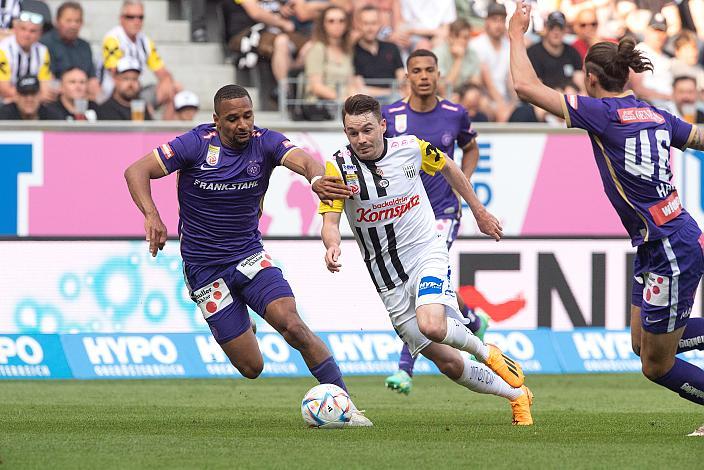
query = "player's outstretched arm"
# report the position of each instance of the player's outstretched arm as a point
(525, 81)
(138, 176)
(330, 234)
(327, 188)
(487, 223)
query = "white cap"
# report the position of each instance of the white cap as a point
(186, 99)
(128, 63)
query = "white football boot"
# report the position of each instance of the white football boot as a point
(357, 418)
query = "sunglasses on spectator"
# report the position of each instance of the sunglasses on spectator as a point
(133, 17)
(31, 17)
(593, 25)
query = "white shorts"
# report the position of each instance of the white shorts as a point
(428, 283)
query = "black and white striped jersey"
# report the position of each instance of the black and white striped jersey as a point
(389, 213)
(15, 62)
(9, 10)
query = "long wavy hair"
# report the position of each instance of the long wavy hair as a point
(321, 35)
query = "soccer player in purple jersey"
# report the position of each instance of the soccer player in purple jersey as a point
(223, 174)
(442, 123)
(631, 141)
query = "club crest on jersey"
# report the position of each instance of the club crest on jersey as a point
(401, 122)
(213, 155)
(446, 138)
(409, 171)
(253, 169)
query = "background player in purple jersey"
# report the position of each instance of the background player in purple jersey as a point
(223, 174)
(442, 123)
(631, 142)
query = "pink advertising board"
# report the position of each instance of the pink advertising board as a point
(537, 184)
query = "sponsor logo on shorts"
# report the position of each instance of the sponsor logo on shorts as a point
(212, 298)
(430, 285)
(657, 290)
(251, 265)
(388, 210)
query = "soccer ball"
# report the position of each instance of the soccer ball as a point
(326, 406)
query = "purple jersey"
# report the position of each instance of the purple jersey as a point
(220, 191)
(445, 124)
(631, 142)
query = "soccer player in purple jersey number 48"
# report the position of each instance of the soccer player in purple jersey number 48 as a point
(631, 141)
(223, 174)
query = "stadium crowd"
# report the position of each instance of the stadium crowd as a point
(320, 52)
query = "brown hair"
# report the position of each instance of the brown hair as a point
(68, 6)
(611, 63)
(361, 104)
(320, 35)
(459, 25)
(683, 38)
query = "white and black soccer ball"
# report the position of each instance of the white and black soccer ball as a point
(326, 406)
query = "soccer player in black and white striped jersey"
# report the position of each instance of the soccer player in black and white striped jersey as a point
(393, 223)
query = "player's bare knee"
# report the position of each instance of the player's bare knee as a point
(431, 328)
(296, 333)
(654, 368)
(451, 368)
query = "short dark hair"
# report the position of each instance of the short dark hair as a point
(361, 104)
(68, 6)
(229, 92)
(459, 25)
(71, 69)
(421, 53)
(682, 78)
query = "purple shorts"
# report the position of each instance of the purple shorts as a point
(223, 292)
(666, 276)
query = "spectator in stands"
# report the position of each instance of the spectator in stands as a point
(125, 91)
(329, 72)
(655, 86)
(22, 54)
(27, 104)
(556, 62)
(639, 13)
(458, 63)
(389, 18)
(471, 97)
(685, 62)
(425, 23)
(684, 100)
(377, 62)
(129, 40)
(73, 103)
(585, 27)
(263, 29)
(9, 10)
(67, 50)
(186, 105)
(492, 47)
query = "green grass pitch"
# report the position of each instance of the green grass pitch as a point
(594, 421)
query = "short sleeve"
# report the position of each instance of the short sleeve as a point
(45, 69)
(583, 112)
(277, 146)
(315, 59)
(111, 52)
(179, 153)
(338, 205)
(432, 159)
(5, 67)
(154, 61)
(466, 133)
(682, 131)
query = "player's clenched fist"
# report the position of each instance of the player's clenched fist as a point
(489, 225)
(156, 233)
(331, 257)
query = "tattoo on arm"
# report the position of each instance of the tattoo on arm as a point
(698, 140)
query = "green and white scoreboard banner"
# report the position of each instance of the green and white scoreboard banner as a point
(196, 355)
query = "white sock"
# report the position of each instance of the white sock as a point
(459, 337)
(479, 378)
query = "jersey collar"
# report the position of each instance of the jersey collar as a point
(383, 153)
